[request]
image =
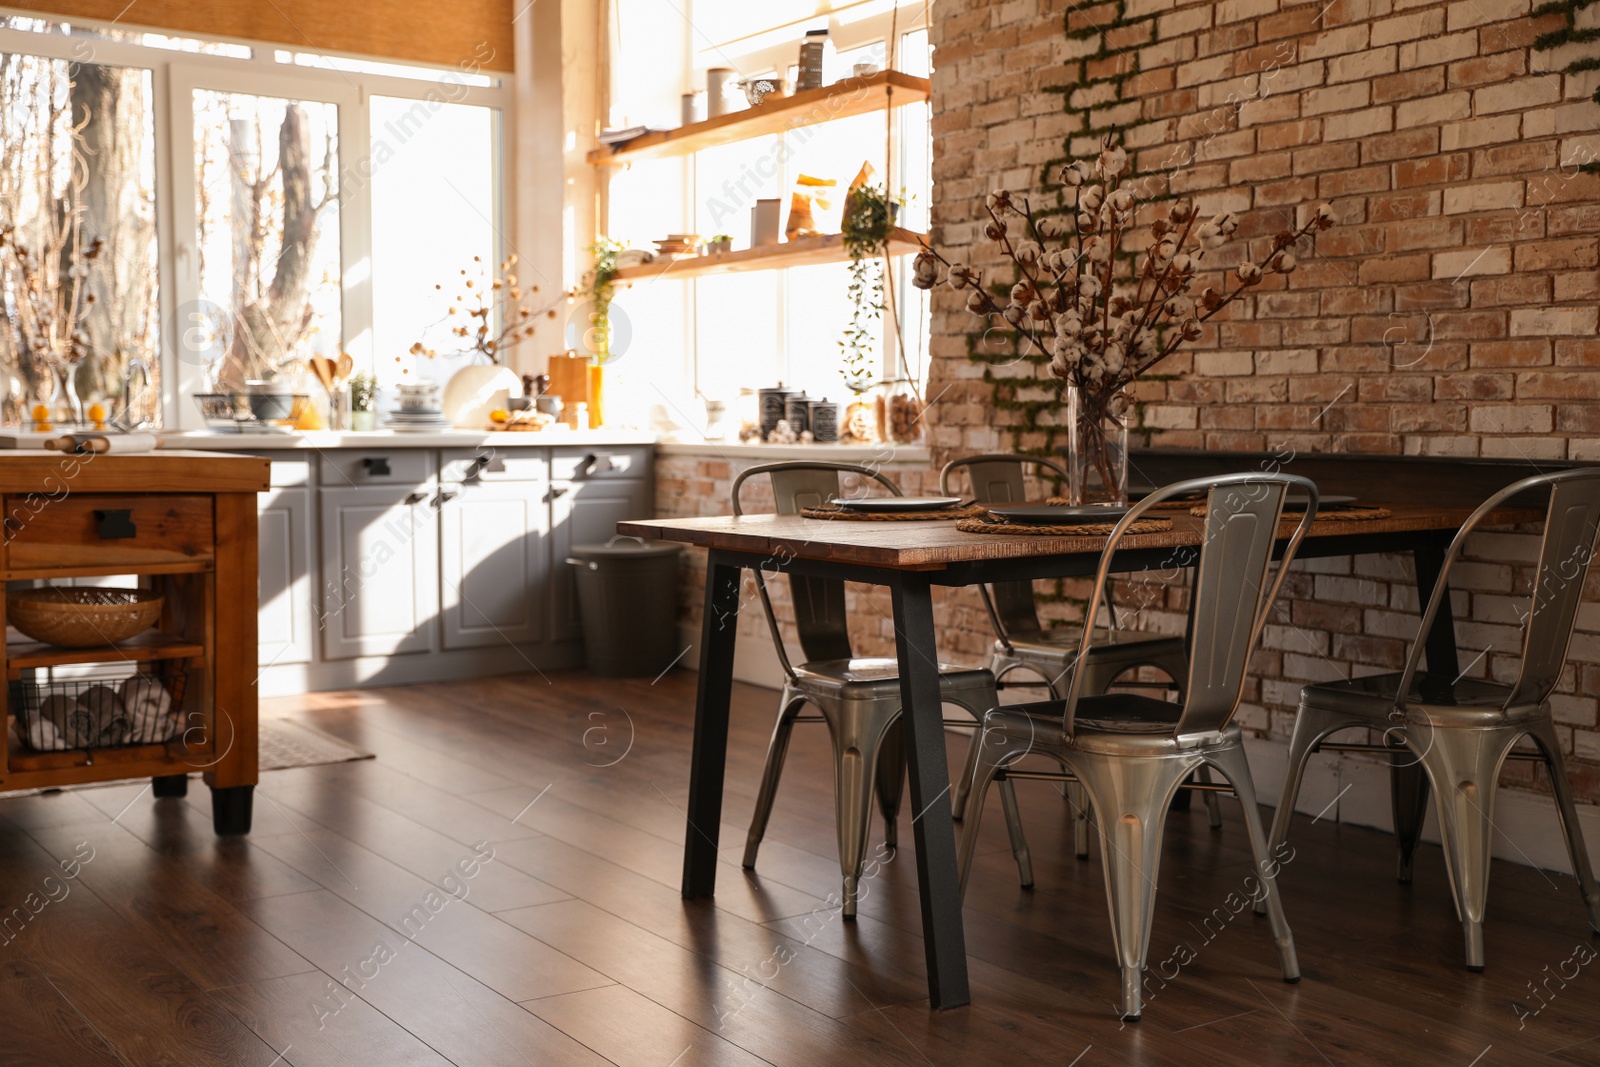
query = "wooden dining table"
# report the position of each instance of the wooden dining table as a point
(910, 559)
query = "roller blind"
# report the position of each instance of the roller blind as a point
(453, 33)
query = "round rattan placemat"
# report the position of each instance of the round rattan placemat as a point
(1088, 529)
(828, 511)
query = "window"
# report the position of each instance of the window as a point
(310, 204)
(723, 332)
(79, 296)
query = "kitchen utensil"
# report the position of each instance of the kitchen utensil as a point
(325, 369)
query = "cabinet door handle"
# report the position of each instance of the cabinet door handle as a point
(557, 490)
(116, 523)
(416, 498)
(376, 466)
(445, 495)
(595, 463)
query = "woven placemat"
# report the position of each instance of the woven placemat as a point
(1335, 515)
(1165, 505)
(833, 511)
(1088, 529)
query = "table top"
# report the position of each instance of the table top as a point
(935, 544)
(164, 471)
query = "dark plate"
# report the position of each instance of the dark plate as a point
(1047, 515)
(900, 503)
(1297, 502)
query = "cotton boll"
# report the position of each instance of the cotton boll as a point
(975, 302)
(1249, 273)
(1027, 253)
(1113, 162)
(1090, 198)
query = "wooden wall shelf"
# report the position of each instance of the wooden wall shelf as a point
(801, 252)
(842, 100)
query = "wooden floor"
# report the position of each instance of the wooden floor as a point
(344, 931)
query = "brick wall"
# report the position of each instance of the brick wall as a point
(1452, 312)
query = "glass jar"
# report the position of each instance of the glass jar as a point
(899, 413)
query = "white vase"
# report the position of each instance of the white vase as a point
(472, 392)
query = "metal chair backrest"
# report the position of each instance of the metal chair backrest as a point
(819, 603)
(1571, 527)
(1232, 597)
(997, 478)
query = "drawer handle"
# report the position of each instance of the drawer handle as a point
(116, 523)
(376, 466)
(444, 497)
(595, 463)
(416, 498)
(489, 464)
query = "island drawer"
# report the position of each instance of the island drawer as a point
(131, 529)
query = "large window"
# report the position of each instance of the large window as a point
(713, 335)
(223, 211)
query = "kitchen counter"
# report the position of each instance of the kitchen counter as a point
(228, 441)
(318, 440)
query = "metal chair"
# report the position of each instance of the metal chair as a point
(1021, 641)
(1132, 753)
(1459, 732)
(858, 698)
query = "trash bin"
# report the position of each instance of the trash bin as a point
(628, 600)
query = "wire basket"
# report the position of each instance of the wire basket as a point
(88, 713)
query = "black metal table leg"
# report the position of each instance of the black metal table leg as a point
(932, 828)
(718, 629)
(231, 808)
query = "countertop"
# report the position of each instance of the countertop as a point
(227, 441)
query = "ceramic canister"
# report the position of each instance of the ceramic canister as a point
(773, 403)
(824, 421)
(797, 409)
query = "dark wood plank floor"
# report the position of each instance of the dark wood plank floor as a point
(498, 887)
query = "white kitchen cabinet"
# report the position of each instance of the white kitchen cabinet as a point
(380, 570)
(286, 621)
(494, 562)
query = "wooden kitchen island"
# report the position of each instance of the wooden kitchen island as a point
(183, 524)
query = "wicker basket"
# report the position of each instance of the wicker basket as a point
(84, 616)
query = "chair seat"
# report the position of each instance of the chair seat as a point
(864, 677)
(1116, 644)
(1116, 717)
(1433, 698)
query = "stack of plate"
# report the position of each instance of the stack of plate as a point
(429, 421)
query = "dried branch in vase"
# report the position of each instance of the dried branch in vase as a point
(1098, 330)
(498, 313)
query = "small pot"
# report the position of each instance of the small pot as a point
(363, 421)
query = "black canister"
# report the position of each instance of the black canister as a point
(773, 402)
(824, 421)
(797, 409)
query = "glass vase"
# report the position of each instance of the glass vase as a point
(1097, 447)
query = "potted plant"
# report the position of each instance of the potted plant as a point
(721, 242)
(599, 286)
(364, 402)
(864, 229)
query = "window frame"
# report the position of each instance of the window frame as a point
(175, 75)
(848, 35)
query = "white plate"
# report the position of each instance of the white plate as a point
(900, 503)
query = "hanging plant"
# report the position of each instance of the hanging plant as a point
(600, 286)
(868, 221)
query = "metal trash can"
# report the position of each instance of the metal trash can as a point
(628, 600)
